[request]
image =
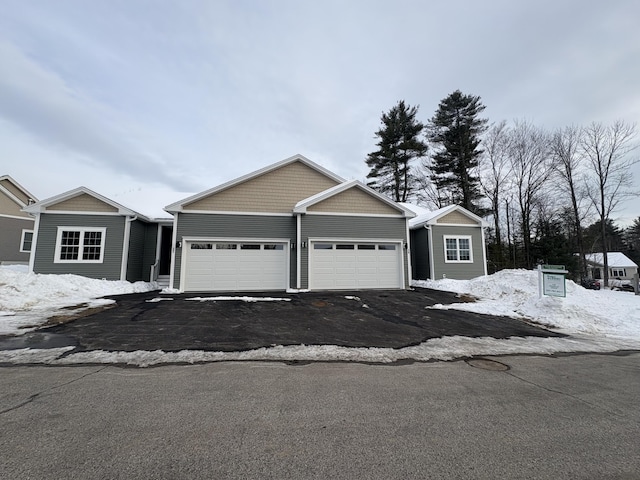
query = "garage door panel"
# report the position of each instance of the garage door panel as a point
(237, 266)
(340, 265)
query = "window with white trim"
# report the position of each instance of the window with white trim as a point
(26, 241)
(457, 249)
(80, 245)
(618, 272)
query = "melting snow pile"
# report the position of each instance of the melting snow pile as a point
(28, 299)
(514, 293)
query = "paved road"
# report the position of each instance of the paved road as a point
(574, 417)
(391, 319)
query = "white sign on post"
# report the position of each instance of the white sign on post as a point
(553, 284)
(551, 281)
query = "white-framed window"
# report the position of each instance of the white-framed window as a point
(26, 241)
(618, 272)
(80, 245)
(458, 249)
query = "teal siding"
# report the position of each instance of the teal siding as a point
(136, 251)
(234, 226)
(149, 253)
(330, 226)
(46, 244)
(420, 254)
(458, 271)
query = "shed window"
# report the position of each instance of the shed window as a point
(26, 241)
(618, 272)
(80, 245)
(457, 249)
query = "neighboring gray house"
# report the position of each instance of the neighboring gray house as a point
(293, 225)
(16, 226)
(447, 243)
(85, 233)
(621, 267)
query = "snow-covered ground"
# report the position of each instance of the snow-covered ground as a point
(28, 300)
(597, 321)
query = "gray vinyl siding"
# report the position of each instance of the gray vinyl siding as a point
(10, 237)
(136, 251)
(330, 226)
(150, 246)
(459, 271)
(46, 245)
(420, 254)
(234, 226)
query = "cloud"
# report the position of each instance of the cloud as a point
(41, 103)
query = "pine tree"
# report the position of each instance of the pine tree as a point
(399, 143)
(456, 129)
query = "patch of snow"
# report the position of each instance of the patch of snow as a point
(352, 297)
(169, 291)
(297, 290)
(157, 299)
(514, 293)
(32, 355)
(446, 348)
(27, 300)
(241, 299)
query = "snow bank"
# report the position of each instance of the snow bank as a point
(514, 293)
(28, 299)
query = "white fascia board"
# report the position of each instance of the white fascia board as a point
(19, 187)
(40, 207)
(445, 211)
(177, 206)
(302, 205)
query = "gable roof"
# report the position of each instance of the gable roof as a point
(9, 194)
(426, 217)
(614, 259)
(177, 206)
(41, 206)
(302, 205)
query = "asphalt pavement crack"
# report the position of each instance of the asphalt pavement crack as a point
(552, 390)
(54, 387)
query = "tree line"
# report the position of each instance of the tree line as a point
(548, 195)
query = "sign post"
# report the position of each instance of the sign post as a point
(551, 281)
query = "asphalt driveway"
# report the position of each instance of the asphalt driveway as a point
(391, 319)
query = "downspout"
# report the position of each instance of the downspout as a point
(125, 246)
(409, 265)
(432, 267)
(298, 248)
(34, 243)
(174, 236)
(484, 250)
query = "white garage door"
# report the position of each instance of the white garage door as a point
(230, 266)
(346, 265)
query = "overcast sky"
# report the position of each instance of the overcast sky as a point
(134, 95)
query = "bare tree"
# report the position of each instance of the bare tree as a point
(531, 166)
(608, 153)
(495, 169)
(568, 155)
(426, 192)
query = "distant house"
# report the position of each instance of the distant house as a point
(621, 267)
(16, 226)
(447, 243)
